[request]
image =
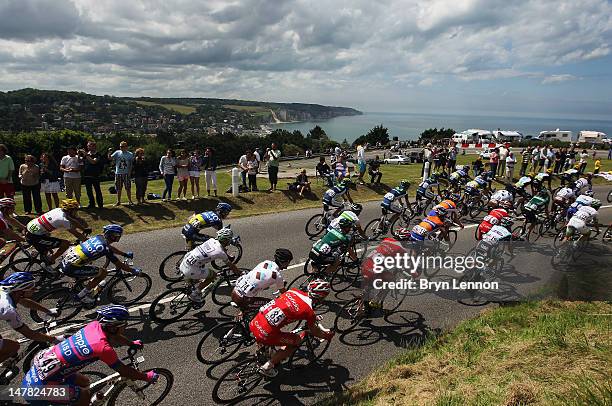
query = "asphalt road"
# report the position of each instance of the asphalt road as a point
(351, 356)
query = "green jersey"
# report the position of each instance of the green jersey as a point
(332, 241)
(537, 203)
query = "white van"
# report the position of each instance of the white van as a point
(557, 135)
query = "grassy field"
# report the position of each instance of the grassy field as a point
(540, 353)
(157, 214)
(180, 108)
(252, 109)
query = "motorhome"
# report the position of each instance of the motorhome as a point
(557, 135)
(508, 136)
(591, 137)
(473, 136)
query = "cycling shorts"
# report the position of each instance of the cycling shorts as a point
(192, 234)
(332, 202)
(579, 225)
(393, 207)
(422, 192)
(319, 259)
(195, 272)
(530, 215)
(471, 191)
(74, 391)
(43, 243)
(264, 334)
(85, 271)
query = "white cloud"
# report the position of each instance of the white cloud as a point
(558, 78)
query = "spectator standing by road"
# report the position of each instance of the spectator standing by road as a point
(510, 161)
(571, 157)
(92, 169)
(210, 170)
(494, 161)
(543, 154)
(29, 176)
(141, 176)
(167, 167)
(550, 158)
(182, 174)
(503, 154)
(123, 170)
(361, 162)
(526, 156)
(584, 157)
(610, 151)
(7, 167)
(257, 154)
(195, 165)
(71, 166)
(375, 173)
(452, 158)
(477, 165)
(252, 168)
(273, 154)
(597, 167)
(49, 176)
(427, 157)
(243, 163)
(535, 158)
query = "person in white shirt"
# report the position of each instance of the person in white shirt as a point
(265, 275)
(503, 154)
(70, 166)
(510, 161)
(243, 163)
(580, 221)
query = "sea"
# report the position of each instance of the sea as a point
(408, 126)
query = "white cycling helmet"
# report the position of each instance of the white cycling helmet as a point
(225, 235)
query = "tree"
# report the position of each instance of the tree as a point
(317, 133)
(292, 150)
(374, 136)
(433, 134)
(344, 144)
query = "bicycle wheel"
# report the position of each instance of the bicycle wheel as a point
(347, 317)
(473, 297)
(127, 289)
(558, 237)
(452, 239)
(222, 290)
(343, 278)
(609, 198)
(563, 255)
(144, 393)
(170, 305)
(237, 382)
(394, 299)
(169, 268)
(373, 229)
(398, 223)
(61, 299)
(234, 251)
(315, 225)
(222, 342)
(19, 265)
(311, 350)
(607, 235)
(301, 281)
(477, 235)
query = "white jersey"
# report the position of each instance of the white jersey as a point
(583, 200)
(263, 276)
(51, 220)
(347, 214)
(585, 213)
(581, 184)
(565, 193)
(496, 234)
(204, 253)
(8, 312)
(502, 196)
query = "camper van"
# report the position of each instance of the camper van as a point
(508, 136)
(592, 137)
(473, 136)
(557, 135)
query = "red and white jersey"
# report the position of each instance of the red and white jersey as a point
(291, 306)
(48, 222)
(264, 275)
(495, 216)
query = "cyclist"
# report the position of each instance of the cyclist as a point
(424, 190)
(351, 215)
(15, 290)
(479, 185)
(428, 226)
(537, 204)
(77, 261)
(194, 265)
(545, 177)
(335, 196)
(7, 209)
(329, 249)
(64, 217)
(580, 220)
(501, 198)
(60, 364)
(490, 220)
(392, 201)
(500, 232)
(585, 199)
(263, 276)
(291, 306)
(460, 177)
(583, 183)
(197, 222)
(451, 207)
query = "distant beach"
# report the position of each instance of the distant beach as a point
(409, 126)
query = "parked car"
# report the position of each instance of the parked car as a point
(416, 157)
(397, 159)
(486, 153)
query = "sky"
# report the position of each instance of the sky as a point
(519, 57)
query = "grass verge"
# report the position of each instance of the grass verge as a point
(180, 108)
(540, 353)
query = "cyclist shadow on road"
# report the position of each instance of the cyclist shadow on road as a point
(196, 324)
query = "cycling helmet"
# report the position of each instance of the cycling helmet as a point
(506, 222)
(225, 234)
(596, 204)
(404, 184)
(68, 204)
(344, 222)
(455, 197)
(18, 281)
(224, 208)
(588, 193)
(6, 203)
(113, 229)
(318, 289)
(543, 192)
(282, 255)
(536, 183)
(356, 208)
(403, 233)
(112, 315)
(441, 211)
